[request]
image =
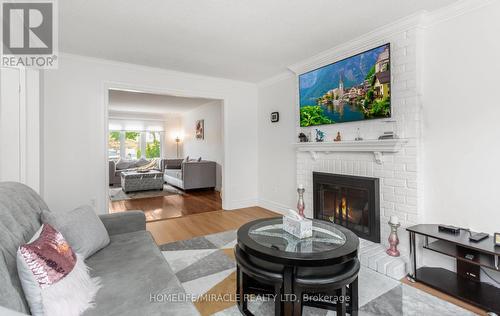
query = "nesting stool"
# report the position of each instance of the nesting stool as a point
(333, 281)
(251, 268)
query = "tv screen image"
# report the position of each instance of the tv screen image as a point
(353, 89)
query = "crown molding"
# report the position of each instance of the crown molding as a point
(275, 79)
(364, 42)
(454, 10)
(138, 67)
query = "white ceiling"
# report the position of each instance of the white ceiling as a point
(146, 103)
(248, 40)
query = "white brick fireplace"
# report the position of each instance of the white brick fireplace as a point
(399, 169)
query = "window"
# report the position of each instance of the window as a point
(153, 145)
(134, 145)
(114, 145)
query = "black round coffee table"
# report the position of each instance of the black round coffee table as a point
(330, 245)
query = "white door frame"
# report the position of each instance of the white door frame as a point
(164, 91)
(20, 94)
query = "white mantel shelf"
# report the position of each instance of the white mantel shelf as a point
(377, 147)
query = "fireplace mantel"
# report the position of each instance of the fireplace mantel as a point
(377, 147)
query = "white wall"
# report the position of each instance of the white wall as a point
(461, 130)
(173, 128)
(277, 189)
(461, 113)
(211, 147)
(75, 119)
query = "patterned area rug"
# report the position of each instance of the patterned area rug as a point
(206, 265)
(117, 194)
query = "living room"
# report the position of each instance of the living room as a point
(383, 156)
(165, 154)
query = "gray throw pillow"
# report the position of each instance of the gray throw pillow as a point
(141, 162)
(81, 227)
(125, 164)
(193, 159)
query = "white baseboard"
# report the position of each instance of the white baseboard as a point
(269, 205)
(232, 205)
(273, 206)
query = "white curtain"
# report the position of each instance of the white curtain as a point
(136, 125)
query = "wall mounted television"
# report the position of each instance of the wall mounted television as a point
(353, 89)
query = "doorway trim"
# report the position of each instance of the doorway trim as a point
(110, 85)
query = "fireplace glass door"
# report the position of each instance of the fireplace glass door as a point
(348, 201)
(345, 206)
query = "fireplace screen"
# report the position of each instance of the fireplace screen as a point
(348, 201)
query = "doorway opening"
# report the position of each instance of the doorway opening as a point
(165, 153)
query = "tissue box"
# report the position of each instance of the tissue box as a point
(299, 228)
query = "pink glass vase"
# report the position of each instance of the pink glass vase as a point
(393, 241)
(300, 203)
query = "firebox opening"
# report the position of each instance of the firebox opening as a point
(350, 201)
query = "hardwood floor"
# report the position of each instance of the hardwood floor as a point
(172, 206)
(204, 223)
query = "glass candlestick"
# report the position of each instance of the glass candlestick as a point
(300, 203)
(393, 240)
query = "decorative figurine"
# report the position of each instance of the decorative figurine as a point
(393, 237)
(303, 138)
(320, 135)
(358, 138)
(300, 203)
(338, 138)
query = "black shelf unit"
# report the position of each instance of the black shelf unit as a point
(464, 284)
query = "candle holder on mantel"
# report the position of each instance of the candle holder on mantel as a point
(393, 238)
(300, 203)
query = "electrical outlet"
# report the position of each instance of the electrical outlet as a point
(93, 202)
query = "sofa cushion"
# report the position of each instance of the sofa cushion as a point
(20, 209)
(132, 270)
(176, 173)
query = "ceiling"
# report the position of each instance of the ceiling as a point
(247, 40)
(146, 103)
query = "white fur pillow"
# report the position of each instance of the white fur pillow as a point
(55, 280)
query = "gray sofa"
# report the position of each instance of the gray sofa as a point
(132, 268)
(115, 170)
(190, 175)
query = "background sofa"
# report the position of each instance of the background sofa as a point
(116, 167)
(190, 175)
(132, 268)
